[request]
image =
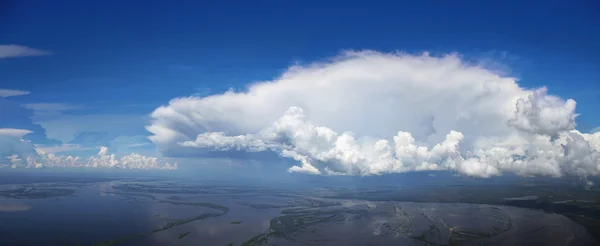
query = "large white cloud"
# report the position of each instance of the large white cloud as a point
(17, 152)
(367, 113)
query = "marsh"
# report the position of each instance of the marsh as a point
(135, 211)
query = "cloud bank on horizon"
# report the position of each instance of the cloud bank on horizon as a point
(20, 153)
(31, 147)
(371, 113)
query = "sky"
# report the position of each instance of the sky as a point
(326, 88)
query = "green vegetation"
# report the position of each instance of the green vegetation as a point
(155, 188)
(200, 204)
(257, 240)
(267, 206)
(462, 237)
(182, 235)
(286, 224)
(567, 198)
(184, 221)
(35, 193)
(300, 215)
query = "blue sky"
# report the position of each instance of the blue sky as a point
(113, 62)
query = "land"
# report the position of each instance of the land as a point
(427, 214)
(408, 223)
(182, 235)
(35, 193)
(173, 222)
(571, 200)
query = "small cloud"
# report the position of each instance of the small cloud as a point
(13, 50)
(128, 143)
(41, 110)
(138, 144)
(51, 106)
(62, 148)
(12, 93)
(91, 139)
(12, 132)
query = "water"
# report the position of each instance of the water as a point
(130, 211)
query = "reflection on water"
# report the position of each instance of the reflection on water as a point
(7, 205)
(176, 213)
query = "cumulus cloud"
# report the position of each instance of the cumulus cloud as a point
(12, 93)
(13, 50)
(369, 113)
(543, 114)
(18, 153)
(102, 160)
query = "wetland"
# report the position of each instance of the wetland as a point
(130, 211)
